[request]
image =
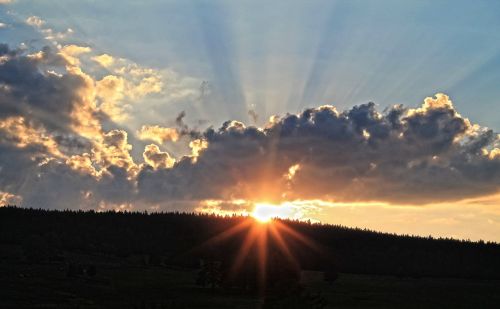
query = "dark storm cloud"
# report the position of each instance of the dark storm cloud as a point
(42, 98)
(403, 155)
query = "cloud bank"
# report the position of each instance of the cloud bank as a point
(402, 156)
(55, 152)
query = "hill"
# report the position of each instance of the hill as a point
(172, 237)
(109, 257)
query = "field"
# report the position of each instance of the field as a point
(122, 283)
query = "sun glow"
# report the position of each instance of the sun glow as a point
(266, 212)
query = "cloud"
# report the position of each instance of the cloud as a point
(19, 133)
(253, 114)
(9, 199)
(55, 152)
(104, 60)
(156, 158)
(223, 207)
(138, 81)
(123, 85)
(158, 134)
(35, 21)
(114, 151)
(48, 33)
(402, 156)
(30, 88)
(72, 52)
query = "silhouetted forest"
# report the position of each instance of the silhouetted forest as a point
(181, 239)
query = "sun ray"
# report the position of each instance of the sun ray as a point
(244, 250)
(263, 252)
(240, 227)
(305, 240)
(251, 260)
(283, 245)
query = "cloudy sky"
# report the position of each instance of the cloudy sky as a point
(380, 114)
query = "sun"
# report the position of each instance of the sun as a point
(261, 216)
(264, 213)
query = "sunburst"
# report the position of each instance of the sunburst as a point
(264, 231)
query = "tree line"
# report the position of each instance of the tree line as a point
(177, 238)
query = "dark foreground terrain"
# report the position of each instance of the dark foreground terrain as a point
(51, 259)
(127, 286)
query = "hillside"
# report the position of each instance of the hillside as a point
(172, 237)
(68, 259)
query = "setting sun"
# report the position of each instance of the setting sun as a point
(265, 212)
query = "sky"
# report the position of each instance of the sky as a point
(375, 114)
